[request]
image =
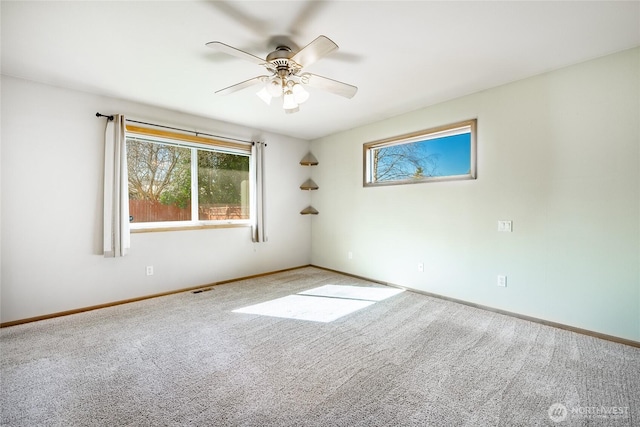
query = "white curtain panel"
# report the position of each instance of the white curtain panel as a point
(259, 233)
(117, 239)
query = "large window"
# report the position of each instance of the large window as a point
(443, 153)
(178, 180)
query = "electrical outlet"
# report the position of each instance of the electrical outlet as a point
(502, 281)
(350, 255)
(421, 267)
(506, 226)
(149, 270)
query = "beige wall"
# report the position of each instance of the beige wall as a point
(51, 205)
(558, 154)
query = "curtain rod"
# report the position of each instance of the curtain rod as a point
(110, 118)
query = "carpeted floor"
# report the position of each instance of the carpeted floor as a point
(409, 360)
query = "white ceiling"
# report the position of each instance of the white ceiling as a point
(401, 55)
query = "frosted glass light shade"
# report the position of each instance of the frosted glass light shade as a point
(289, 102)
(299, 93)
(274, 87)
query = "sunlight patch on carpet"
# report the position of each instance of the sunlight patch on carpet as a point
(353, 292)
(313, 308)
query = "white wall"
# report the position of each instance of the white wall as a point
(52, 166)
(558, 154)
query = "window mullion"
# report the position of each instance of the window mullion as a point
(194, 185)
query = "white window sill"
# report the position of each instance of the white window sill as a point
(180, 226)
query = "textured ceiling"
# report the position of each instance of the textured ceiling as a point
(401, 55)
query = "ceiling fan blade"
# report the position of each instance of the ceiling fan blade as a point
(230, 50)
(330, 85)
(315, 50)
(235, 13)
(239, 86)
(309, 10)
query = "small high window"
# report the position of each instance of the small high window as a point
(439, 154)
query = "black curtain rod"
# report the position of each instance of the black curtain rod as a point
(110, 118)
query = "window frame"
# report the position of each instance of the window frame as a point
(194, 143)
(458, 128)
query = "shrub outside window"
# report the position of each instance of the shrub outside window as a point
(438, 154)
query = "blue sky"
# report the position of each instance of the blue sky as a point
(454, 153)
(444, 156)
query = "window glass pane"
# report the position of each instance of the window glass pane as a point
(223, 186)
(438, 154)
(445, 156)
(159, 181)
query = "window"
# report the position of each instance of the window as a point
(178, 180)
(439, 154)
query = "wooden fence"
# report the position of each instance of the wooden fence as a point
(151, 211)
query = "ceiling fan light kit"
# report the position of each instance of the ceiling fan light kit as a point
(299, 93)
(274, 87)
(287, 80)
(292, 92)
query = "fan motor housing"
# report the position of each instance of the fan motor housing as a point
(281, 52)
(280, 60)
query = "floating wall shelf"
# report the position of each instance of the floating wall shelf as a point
(309, 185)
(309, 160)
(309, 210)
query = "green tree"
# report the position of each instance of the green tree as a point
(162, 173)
(158, 172)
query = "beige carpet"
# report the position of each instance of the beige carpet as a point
(408, 360)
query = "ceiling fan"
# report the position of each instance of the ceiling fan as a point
(286, 78)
